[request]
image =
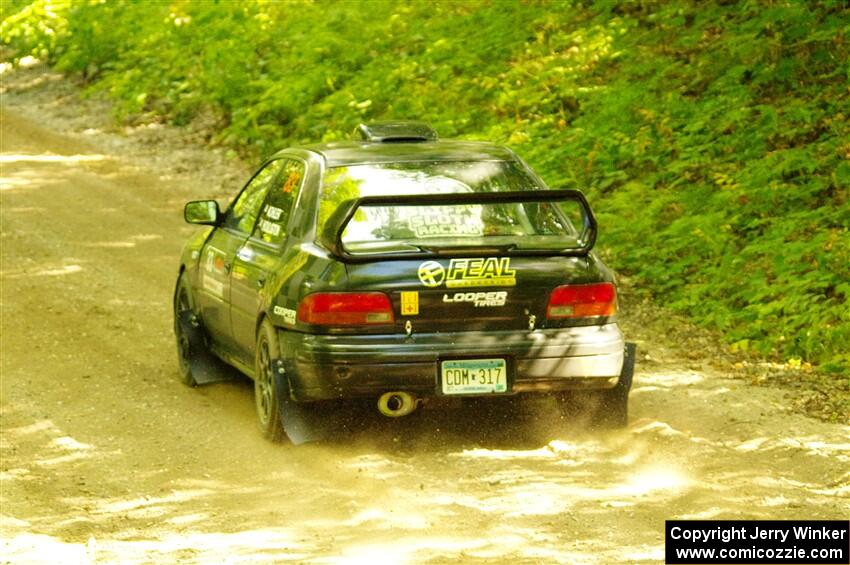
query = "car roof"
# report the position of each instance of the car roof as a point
(343, 153)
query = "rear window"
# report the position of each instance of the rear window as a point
(390, 228)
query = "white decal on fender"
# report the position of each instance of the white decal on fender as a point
(269, 227)
(273, 213)
(287, 314)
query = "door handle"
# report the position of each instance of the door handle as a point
(261, 283)
(227, 267)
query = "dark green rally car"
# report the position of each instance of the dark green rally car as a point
(403, 269)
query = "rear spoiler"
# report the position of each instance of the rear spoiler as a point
(331, 236)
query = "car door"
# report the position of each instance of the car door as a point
(261, 254)
(218, 254)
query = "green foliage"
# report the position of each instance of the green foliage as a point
(33, 28)
(712, 137)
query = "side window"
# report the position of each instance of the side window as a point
(281, 199)
(242, 215)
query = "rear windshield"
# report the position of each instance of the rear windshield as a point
(388, 228)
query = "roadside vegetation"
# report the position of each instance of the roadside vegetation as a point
(712, 137)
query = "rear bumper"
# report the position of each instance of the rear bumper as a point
(323, 367)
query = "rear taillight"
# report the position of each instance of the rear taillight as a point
(582, 301)
(346, 309)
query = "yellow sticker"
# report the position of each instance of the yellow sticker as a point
(410, 303)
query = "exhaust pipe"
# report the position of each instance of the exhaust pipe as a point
(397, 404)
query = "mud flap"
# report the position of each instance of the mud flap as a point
(205, 367)
(302, 422)
(628, 371)
(613, 411)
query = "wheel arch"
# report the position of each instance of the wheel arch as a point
(184, 274)
(262, 317)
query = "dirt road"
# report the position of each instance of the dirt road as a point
(106, 457)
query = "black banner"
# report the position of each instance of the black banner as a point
(821, 542)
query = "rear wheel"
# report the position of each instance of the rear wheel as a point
(266, 396)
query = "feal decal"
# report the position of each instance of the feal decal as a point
(466, 273)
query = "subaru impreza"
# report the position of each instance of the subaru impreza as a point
(405, 269)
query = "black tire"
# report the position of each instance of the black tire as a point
(607, 409)
(183, 303)
(266, 399)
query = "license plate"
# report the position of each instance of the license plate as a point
(474, 376)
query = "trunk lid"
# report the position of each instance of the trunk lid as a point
(471, 293)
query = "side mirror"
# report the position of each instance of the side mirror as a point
(204, 212)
